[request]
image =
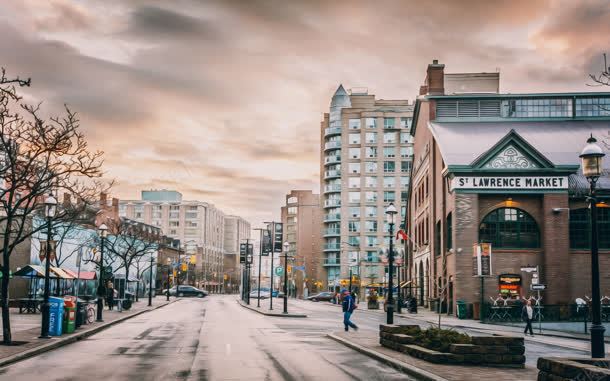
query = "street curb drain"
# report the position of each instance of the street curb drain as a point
(411, 370)
(274, 314)
(57, 343)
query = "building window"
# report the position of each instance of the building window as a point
(354, 226)
(389, 137)
(510, 228)
(371, 241)
(389, 182)
(537, 108)
(405, 137)
(592, 106)
(354, 167)
(370, 152)
(370, 211)
(404, 197)
(371, 137)
(389, 151)
(371, 256)
(389, 123)
(371, 123)
(354, 211)
(406, 152)
(292, 210)
(354, 196)
(354, 124)
(405, 166)
(406, 123)
(404, 181)
(354, 153)
(354, 241)
(370, 226)
(292, 200)
(449, 229)
(371, 182)
(580, 228)
(371, 196)
(370, 166)
(437, 239)
(354, 138)
(354, 182)
(389, 166)
(389, 196)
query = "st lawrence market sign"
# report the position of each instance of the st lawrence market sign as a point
(510, 182)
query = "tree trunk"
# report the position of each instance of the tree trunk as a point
(7, 338)
(137, 290)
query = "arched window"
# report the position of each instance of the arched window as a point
(509, 228)
(580, 228)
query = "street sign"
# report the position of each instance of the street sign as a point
(538, 287)
(279, 270)
(278, 237)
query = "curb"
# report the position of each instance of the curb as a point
(54, 344)
(411, 370)
(274, 314)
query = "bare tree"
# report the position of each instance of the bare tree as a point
(603, 78)
(130, 241)
(38, 156)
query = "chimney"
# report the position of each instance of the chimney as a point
(103, 200)
(115, 207)
(435, 78)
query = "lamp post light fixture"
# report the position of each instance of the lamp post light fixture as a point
(286, 247)
(169, 266)
(101, 286)
(591, 157)
(391, 215)
(50, 208)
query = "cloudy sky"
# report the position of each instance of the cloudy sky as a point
(222, 100)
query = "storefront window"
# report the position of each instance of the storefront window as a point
(509, 228)
(580, 228)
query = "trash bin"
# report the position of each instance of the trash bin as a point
(56, 315)
(81, 313)
(69, 315)
(461, 309)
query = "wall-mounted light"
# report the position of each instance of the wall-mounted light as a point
(509, 202)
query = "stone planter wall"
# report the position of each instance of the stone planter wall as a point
(580, 369)
(499, 351)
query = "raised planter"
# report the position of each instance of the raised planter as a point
(497, 351)
(565, 369)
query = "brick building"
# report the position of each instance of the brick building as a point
(502, 169)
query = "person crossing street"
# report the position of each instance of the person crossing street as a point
(349, 305)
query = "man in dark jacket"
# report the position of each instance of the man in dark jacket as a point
(349, 306)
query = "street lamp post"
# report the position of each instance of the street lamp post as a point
(286, 247)
(50, 204)
(260, 261)
(169, 266)
(150, 279)
(391, 215)
(591, 157)
(101, 287)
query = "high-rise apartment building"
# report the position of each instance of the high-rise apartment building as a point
(302, 218)
(236, 230)
(199, 226)
(365, 162)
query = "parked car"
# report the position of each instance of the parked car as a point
(264, 294)
(323, 296)
(278, 294)
(187, 291)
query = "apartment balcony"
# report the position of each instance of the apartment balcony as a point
(332, 189)
(328, 262)
(332, 145)
(332, 173)
(332, 246)
(332, 232)
(332, 203)
(332, 131)
(334, 159)
(332, 217)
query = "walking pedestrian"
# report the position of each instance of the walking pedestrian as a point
(527, 314)
(349, 306)
(110, 295)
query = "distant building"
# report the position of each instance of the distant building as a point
(365, 162)
(236, 231)
(302, 219)
(194, 223)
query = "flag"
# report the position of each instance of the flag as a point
(401, 234)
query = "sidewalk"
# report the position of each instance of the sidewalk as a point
(25, 330)
(276, 312)
(367, 342)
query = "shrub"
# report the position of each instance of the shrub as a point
(440, 339)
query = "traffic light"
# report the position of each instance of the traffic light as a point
(278, 237)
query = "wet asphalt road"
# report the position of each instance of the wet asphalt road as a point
(211, 339)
